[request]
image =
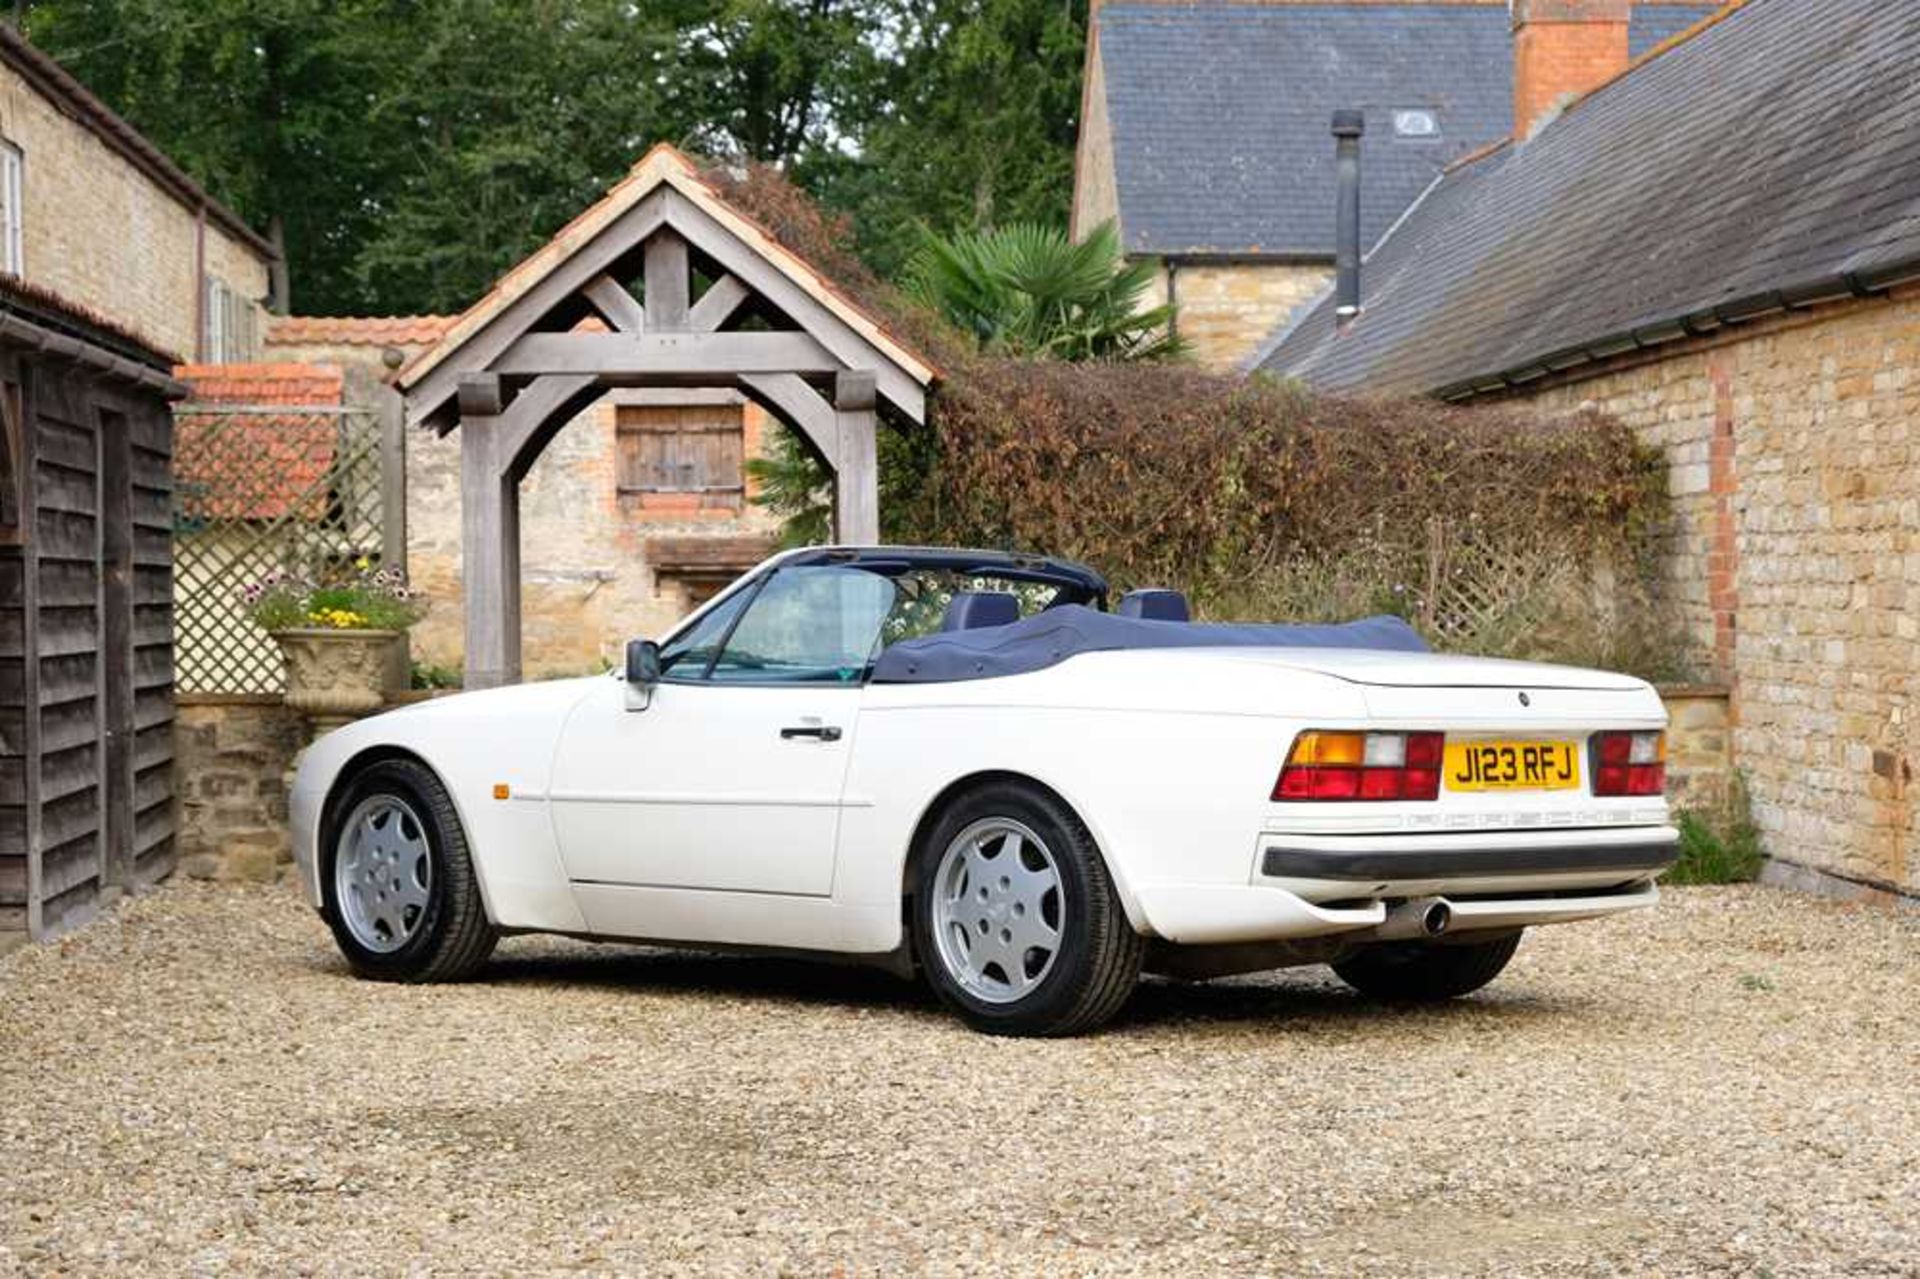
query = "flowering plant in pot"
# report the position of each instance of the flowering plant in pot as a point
(336, 634)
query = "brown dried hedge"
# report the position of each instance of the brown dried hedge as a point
(1165, 474)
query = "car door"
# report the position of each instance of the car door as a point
(731, 778)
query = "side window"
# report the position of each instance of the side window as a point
(689, 655)
(815, 625)
(925, 595)
(228, 333)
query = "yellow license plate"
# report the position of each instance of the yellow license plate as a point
(1491, 765)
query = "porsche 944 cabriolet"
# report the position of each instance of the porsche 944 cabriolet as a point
(964, 764)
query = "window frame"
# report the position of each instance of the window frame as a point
(214, 337)
(13, 213)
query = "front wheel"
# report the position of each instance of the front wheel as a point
(399, 888)
(1426, 972)
(1016, 919)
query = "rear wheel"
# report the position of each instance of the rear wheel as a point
(1016, 919)
(399, 889)
(1426, 972)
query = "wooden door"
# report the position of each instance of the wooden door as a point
(64, 623)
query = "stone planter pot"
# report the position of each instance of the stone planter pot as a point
(335, 677)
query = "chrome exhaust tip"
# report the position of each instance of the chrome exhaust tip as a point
(1412, 920)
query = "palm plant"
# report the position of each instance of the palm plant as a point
(796, 485)
(1029, 290)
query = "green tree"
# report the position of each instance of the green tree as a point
(1027, 289)
(502, 122)
(410, 150)
(973, 125)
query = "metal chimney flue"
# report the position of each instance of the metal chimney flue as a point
(1348, 126)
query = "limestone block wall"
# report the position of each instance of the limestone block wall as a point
(100, 232)
(1229, 309)
(1699, 745)
(232, 756)
(1794, 566)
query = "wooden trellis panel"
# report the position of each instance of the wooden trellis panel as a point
(259, 488)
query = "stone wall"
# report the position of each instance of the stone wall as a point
(232, 757)
(1229, 309)
(1699, 745)
(101, 233)
(1791, 574)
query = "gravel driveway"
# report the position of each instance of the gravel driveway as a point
(1728, 1084)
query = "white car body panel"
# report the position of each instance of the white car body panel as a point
(693, 820)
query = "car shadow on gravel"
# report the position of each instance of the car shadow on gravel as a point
(1300, 1000)
(1303, 1000)
(697, 972)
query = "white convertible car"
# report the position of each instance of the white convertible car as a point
(960, 762)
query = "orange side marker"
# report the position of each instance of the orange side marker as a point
(500, 790)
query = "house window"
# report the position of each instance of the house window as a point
(13, 252)
(682, 458)
(228, 325)
(1418, 123)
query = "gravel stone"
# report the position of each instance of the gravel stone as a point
(1725, 1085)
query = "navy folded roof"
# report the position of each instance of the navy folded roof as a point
(1049, 638)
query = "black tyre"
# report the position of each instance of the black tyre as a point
(1426, 972)
(398, 885)
(1015, 917)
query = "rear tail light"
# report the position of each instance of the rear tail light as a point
(1361, 766)
(1629, 763)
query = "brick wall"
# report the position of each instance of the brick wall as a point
(1792, 569)
(100, 233)
(1561, 49)
(1228, 309)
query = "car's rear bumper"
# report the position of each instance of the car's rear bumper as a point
(1417, 858)
(1322, 885)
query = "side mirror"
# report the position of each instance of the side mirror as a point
(642, 672)
(643, 662)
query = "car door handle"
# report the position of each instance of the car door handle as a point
(824, 732)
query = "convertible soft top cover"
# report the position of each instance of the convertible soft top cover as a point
(1049, 638)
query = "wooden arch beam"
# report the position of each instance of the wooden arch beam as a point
(789, 398)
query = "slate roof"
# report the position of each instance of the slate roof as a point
(1771, 159)
(1220, 112)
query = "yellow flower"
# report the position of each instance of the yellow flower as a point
(338, 618)
(363, 563)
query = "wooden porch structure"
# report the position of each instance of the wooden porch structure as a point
(686, 292)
